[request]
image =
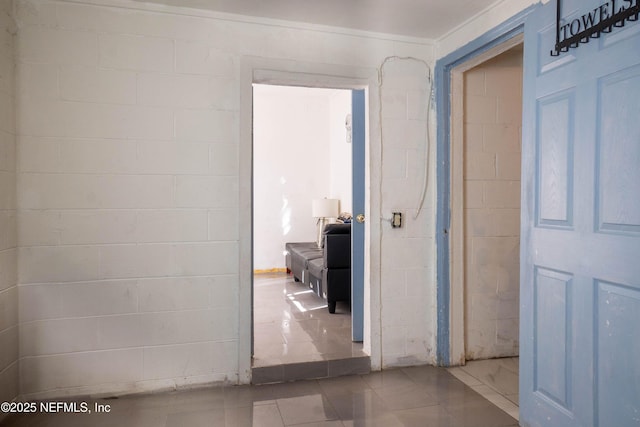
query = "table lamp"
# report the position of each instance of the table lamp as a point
(324, 209)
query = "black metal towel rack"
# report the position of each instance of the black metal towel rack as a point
(605, 26)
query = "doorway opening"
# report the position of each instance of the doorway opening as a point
(301, 153)
(485, 221)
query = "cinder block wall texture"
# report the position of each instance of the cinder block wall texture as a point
(9, 351)
(128, 193)
(493, 111)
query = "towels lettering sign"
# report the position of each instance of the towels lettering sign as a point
(603, 19)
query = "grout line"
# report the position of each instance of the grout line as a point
(464, 376)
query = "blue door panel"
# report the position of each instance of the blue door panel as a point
(552, 340)
(618, 152)
(580, 236)
(618, 370)
(554, 149)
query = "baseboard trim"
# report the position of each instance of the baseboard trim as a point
(270, 270)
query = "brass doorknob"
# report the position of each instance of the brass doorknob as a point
(360, 218)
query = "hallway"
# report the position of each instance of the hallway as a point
(409, 397)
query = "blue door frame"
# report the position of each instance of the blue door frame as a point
(357, 233)
(500, 34)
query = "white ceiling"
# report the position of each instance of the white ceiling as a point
(416, 18)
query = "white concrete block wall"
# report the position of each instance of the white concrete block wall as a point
(128, 194)
(9, 348)
(492, 206)
(408, 253)
(128, 124)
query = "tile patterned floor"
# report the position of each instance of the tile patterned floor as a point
(292, 324)
(495, 379)
(418, 396)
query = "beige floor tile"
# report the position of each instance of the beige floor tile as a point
(293, 325)
(306, 409)
(418, 396)
(494, 379)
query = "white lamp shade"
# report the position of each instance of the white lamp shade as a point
(325, 208)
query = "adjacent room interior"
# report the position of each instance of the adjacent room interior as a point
(302, 163)
(490, 210)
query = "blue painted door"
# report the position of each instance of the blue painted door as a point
(357, 227)
(580, 244)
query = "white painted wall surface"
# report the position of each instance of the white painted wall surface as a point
(294, 163)
(129, 189)
(9, 351)
(340, 163)
(493, 123)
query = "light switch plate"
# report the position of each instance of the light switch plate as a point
(396, 222)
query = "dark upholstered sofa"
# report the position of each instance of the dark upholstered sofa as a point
(326, 271)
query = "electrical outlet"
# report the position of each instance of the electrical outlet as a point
(396, 222)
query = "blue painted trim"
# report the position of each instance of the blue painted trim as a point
(492, 38)
(358, 111)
